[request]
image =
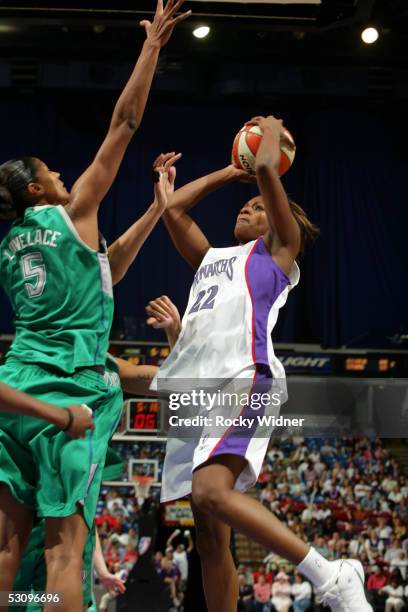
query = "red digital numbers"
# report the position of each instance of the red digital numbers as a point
(145, 415)
(144, 421)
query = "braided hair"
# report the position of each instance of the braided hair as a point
(15, 175)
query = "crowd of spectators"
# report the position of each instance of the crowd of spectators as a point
(265, 590)
(346, 497)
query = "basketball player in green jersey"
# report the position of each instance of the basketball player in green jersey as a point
(55, 270)
(31, 576)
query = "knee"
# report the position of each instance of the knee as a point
(209, 498)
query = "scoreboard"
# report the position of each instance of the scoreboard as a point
(143, 415)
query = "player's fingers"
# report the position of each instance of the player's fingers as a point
(175, 5)
(157, 309)
(152, 321)
(169, 7)
(166, 156)
(181, 18)
(158, 161)
(146, 25)
(172, 160)
(168, 306)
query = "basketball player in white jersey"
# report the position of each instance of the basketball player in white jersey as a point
(226, 334)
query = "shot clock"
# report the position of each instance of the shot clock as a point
(143, 415)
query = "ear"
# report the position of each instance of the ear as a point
(35, 190)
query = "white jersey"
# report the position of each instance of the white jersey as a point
(232, 309)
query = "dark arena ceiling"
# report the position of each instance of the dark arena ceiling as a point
(313, 46)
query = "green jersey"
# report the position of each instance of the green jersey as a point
(60, 289)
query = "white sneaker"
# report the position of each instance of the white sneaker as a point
(345, 591)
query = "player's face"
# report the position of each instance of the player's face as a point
(53, 189)
(251, 221)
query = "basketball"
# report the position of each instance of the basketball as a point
(246, 144)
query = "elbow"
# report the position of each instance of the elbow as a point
(128, 118)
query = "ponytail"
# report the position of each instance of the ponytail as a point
(308, 231)
(15, 175)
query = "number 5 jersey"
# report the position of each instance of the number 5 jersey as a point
(60, 290)
(232, 309)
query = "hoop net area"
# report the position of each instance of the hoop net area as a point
(142, 485)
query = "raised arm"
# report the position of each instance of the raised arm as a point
(93, 185)
(75, 420)
(124, 250)
(187, 237)
(283, 224)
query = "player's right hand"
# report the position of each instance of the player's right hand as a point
(163, 314)
(159, 31)
(82, 421)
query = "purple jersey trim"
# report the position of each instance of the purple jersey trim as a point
(265, 282)
(235, 440)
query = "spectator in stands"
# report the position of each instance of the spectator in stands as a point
(130, 556)
(369, 501)
(301, 591)
(398, 528)
(395, 599)
(113, 498)
(245, 595)
(400, 562)
(181, 554)
(375, 583)
(383, 531)
(262, 595)
(157, 560)
(170, 574)
(281, 592)
(106, 518)
(242, 570)
(261, 571)
(126, 537)
(393, 551)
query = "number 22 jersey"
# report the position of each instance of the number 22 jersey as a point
(232, 309)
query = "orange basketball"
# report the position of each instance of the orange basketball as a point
(246, 145)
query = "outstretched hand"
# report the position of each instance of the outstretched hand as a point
(159, 31)
(165, 170)
(163, 314)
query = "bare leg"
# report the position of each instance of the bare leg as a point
(64, 545)
(217, 565)
(213, 494)
(16, 522)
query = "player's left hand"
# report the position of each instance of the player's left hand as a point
(240, 175)
(163, 314)
(165, 171)
(113, 584)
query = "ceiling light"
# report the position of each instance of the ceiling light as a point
(201, 32)
(369, 35)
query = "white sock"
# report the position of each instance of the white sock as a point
(316, 568)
